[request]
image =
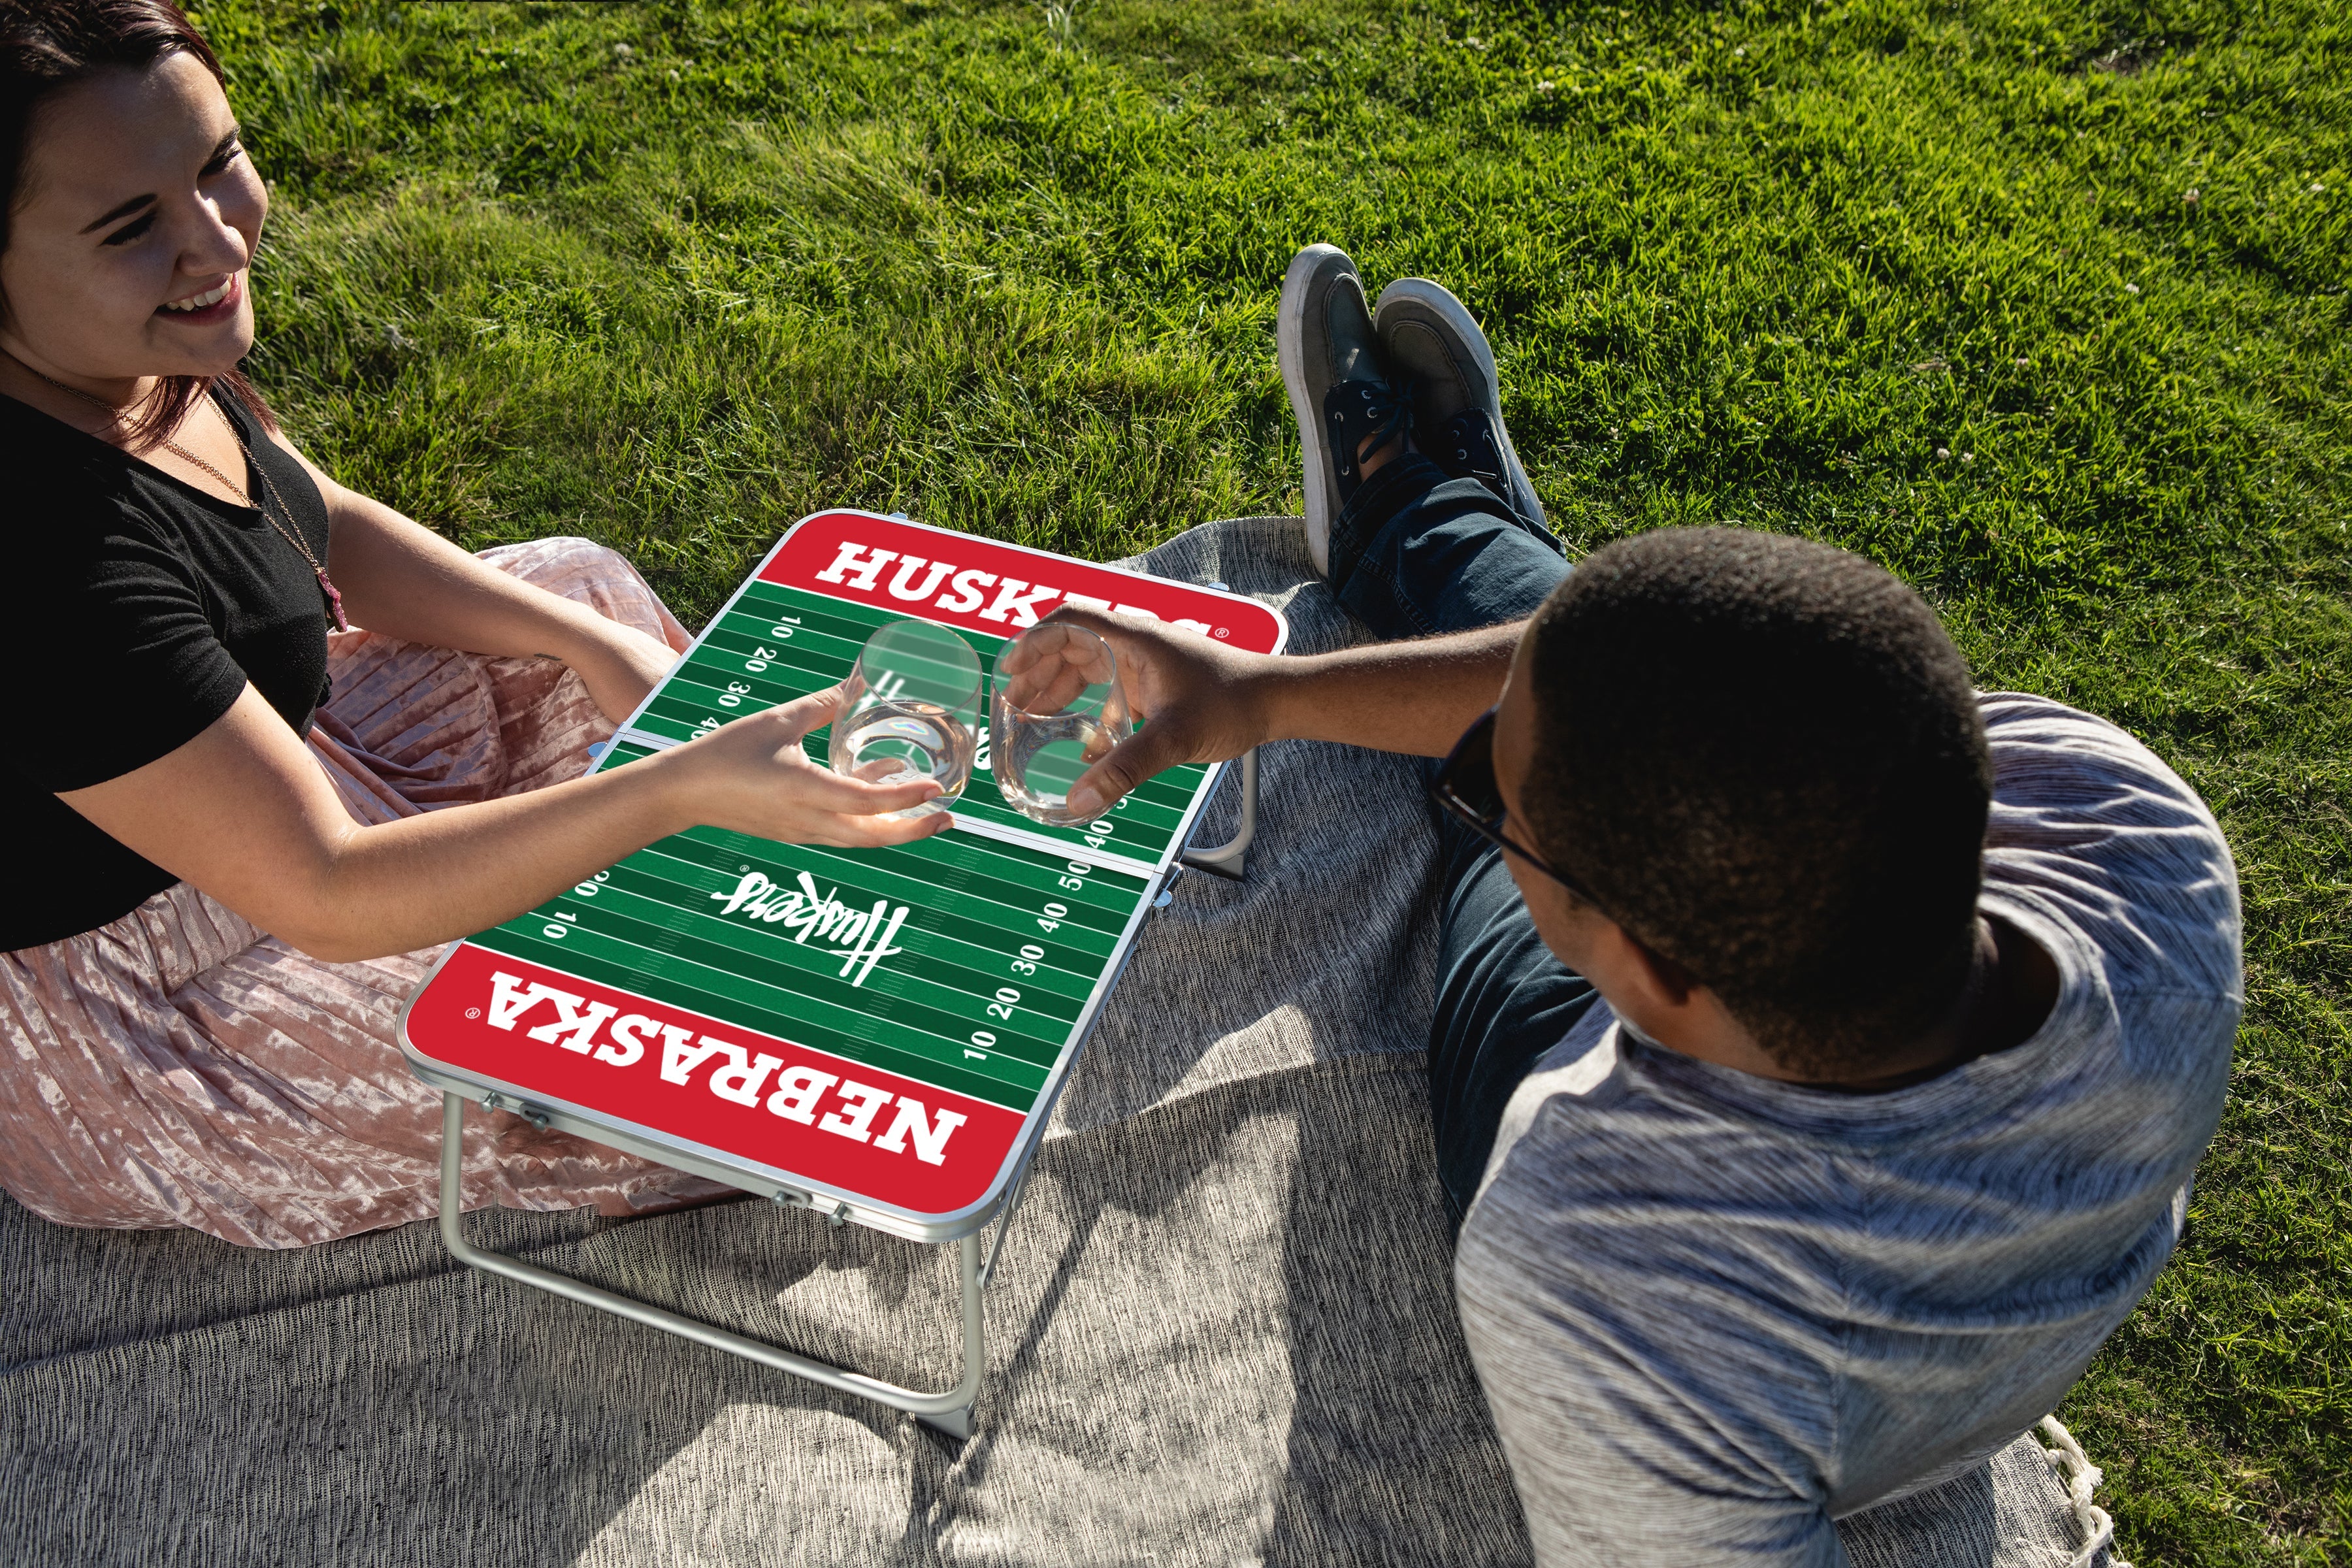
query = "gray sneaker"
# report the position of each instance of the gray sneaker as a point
(1337, 380)
(1435, 346)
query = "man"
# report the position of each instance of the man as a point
(1821, 1051)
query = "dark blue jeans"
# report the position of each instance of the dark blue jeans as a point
(1415, 554)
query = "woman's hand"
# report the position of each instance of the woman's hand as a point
(754, 777)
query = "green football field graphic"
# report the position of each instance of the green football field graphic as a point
(993, 963)
(775, 643)
(882, 1029)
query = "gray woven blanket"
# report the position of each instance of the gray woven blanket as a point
(1223, 1330)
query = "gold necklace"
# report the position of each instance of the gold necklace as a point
(269, 493)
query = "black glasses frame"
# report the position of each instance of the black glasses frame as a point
(1464, 787)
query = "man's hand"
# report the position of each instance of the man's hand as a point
(1209, 703)
(1204, 704)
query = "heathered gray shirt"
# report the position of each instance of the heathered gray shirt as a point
(1714, 1313)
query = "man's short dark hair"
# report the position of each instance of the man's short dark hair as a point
(1764, 757)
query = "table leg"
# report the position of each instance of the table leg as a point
(951, 1412)
(1228, 859)
(1004, 1216)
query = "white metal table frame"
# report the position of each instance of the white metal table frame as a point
(951, 1411)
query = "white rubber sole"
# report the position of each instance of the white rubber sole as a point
(1439, 302)
(1291, 353)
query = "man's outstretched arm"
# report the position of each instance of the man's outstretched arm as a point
(1205, 703)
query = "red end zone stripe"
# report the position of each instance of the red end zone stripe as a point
(985, 586)
(820, 1115)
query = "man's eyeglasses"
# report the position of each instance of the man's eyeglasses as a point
(1464, 786)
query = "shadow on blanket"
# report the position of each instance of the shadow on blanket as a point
(1223, 1330)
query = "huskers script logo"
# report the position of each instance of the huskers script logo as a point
(602, 1032)
(805, 913)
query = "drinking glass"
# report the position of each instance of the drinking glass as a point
(913, 711)
(1055, 709)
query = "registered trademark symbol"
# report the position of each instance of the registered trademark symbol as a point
(473, 1012)
(742, 867)
(1221, 632)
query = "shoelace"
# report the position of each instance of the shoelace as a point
(1387, 409)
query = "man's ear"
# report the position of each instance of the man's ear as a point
(1673, 982)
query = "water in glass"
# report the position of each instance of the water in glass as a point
(913, 711)
(1056, 709)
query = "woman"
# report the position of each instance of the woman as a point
(243, 833)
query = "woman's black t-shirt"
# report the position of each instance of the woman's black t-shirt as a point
(140, 609)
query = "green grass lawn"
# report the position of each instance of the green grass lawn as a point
(2041, 305)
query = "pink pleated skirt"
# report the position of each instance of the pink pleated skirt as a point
(180, 1067)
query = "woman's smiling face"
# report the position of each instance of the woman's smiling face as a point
(137, 214)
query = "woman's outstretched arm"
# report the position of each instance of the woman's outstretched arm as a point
(244, 812)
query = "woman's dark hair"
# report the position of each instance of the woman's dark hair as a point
(48, 45)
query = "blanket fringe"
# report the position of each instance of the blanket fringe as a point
(2082, 1478)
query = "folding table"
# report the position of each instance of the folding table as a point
(878, 1035)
